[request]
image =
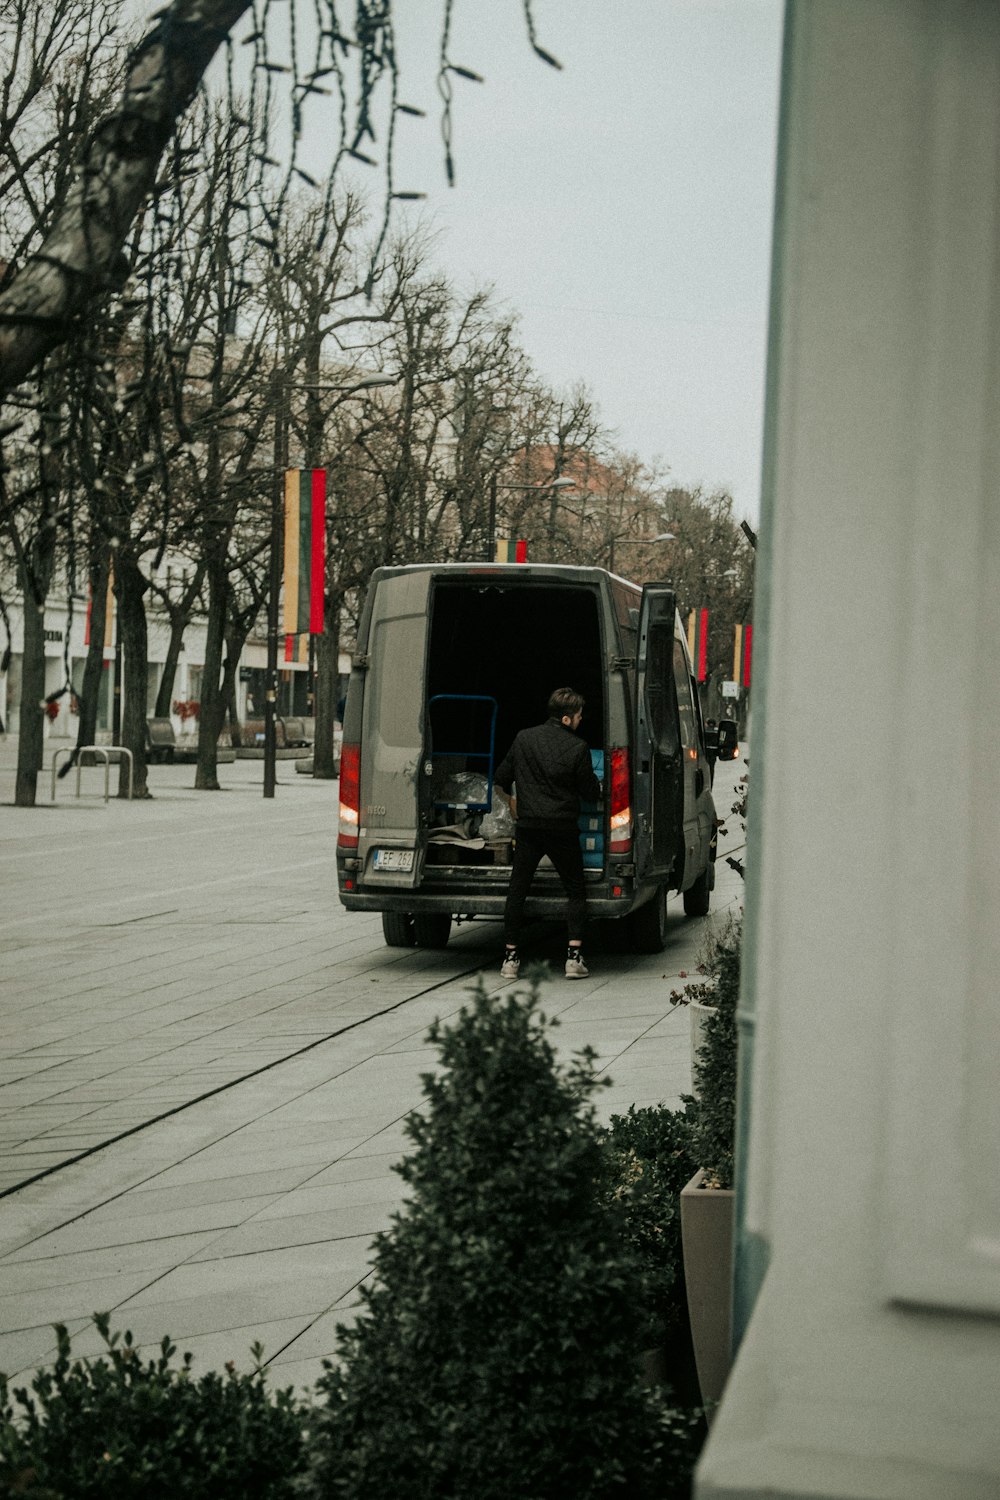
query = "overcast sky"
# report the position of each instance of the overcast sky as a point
(622, 206)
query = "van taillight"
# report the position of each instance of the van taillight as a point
(621, 803)
(350, 796)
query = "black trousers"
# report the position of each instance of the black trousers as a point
(562, 846)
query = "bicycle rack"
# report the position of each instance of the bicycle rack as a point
(107, 751)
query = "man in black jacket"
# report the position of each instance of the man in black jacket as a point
(550, 770)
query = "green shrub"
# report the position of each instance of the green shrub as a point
(713, 1110)
(118, 1427)
(496, 1353)
(650, 1161)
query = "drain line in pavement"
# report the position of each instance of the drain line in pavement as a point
(113, 1140)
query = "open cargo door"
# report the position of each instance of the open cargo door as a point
(658, 780)
(391, 844)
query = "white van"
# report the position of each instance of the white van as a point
(452, 660)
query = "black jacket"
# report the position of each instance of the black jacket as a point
(552, 769)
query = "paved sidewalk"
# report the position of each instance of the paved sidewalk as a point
(206, 1062)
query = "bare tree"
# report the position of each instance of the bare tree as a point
(553, 437)
(428, 458)
(620, 509)
(32, 519)
(178, 599)
(491, 375)
(710, 563)
(335, 303)
(65, 258)
(81, 256)
(247, 595)
(166, 391)
(57, 73)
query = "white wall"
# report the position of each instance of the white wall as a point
(871, 1367)
(57, 622)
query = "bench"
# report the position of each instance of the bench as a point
(296, 733)
(251, 733)
(161, 742)
(290, 733)
(163, 745)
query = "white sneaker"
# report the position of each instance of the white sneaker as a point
(511, 967)
(576, 968)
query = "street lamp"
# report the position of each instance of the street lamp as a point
(664, 536)
(369, 382)
(564, 482)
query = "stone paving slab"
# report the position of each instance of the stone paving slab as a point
(158, 952)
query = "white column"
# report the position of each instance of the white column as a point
(871, 1365)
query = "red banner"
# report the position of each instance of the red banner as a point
(744, 677)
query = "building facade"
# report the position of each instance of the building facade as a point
(66, 639)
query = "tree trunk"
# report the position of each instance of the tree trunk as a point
(236, 639)
(30, 744)
(212, 702)
(165, 692)
(34, 567)
(131, 589)
(325, 686)
(90, 690)
(229, 695)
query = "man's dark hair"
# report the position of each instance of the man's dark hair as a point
(565, 701)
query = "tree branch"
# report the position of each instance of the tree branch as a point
(81, 258)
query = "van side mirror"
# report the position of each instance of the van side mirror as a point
(729, 745)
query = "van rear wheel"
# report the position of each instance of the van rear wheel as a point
(397, 929)
(698, 896)
(432, 929)
(648, 925)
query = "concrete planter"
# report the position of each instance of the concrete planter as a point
(707, 1216)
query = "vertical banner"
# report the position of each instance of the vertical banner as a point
(305, 551)
(744, 678)
(738, 654)
(698, 642)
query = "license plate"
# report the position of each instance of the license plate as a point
(394, 859)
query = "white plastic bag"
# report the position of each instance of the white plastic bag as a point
(497, 824)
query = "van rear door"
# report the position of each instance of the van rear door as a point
(658, 778)
(390, 849)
